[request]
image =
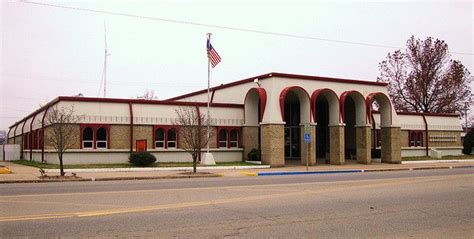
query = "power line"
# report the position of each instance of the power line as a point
(74, 80)
(280, 34)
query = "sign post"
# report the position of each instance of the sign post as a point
(307, 139)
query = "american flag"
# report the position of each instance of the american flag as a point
(212, 54)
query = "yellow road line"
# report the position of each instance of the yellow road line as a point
(61, 203)
(34, 218)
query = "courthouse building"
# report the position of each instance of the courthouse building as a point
(267, 112)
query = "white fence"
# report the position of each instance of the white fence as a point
(10, 152)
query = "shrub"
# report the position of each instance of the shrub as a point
(254, 155)
(142, 159)
(468, 142)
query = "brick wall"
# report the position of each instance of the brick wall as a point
(249, 139)
(119, 137)
(443, 138)
(76, 138)
(141, 132)
(404, 139)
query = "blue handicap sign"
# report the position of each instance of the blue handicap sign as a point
(307, 138)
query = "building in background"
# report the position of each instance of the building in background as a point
(267, 112)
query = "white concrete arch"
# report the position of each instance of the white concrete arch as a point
(303, 98)
(255, 102)
(385, 108)
(360, 106)
(333, 101)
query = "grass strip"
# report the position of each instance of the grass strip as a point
(123, 165)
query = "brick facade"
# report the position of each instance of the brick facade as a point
(391, 150)
(336, 147)
(404, 140)
(363, 140)
(119, 137)
(249, 139)
(444, 138)
(141, 132)
(273, 145)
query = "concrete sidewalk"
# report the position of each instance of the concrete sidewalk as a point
(24, 174)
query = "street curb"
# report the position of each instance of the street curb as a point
(97, 170)
(211, 175)
(309, 172)
(439, 161)
(353, 170)
(249, 173)
(5, 170)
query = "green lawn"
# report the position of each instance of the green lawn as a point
(124, 165)
(450, 157)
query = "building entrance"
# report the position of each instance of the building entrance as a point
(322, 129)
(292, 127)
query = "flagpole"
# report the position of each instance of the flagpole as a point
(208, 97)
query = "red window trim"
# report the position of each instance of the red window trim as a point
(94, 128)
(228, 129)
(165, 128)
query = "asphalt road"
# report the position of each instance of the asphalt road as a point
(419, 204)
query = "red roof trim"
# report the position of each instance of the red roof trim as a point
(54, 101)
(283, 75)
(429, 114)
(115, 100)
(141, 101)
(421, 114)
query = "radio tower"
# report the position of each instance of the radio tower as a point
(106, 54)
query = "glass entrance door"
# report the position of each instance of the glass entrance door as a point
(292, 142)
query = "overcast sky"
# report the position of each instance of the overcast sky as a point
(48, 51)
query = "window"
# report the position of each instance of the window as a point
(415, 138)
(171, 138)
(94, 136)
(234, 136)
(412, 139)
(26, 140)
(420, 139)
(35, 139)
(228, 137)
(40, 139)
(223, 138)
(160, 138)
(166, 136)
(101, 142)
(88, 138)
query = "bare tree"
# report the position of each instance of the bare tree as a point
(62, 131)
(3, 137)
(425, 78)
(192, 131)
(148, 95)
